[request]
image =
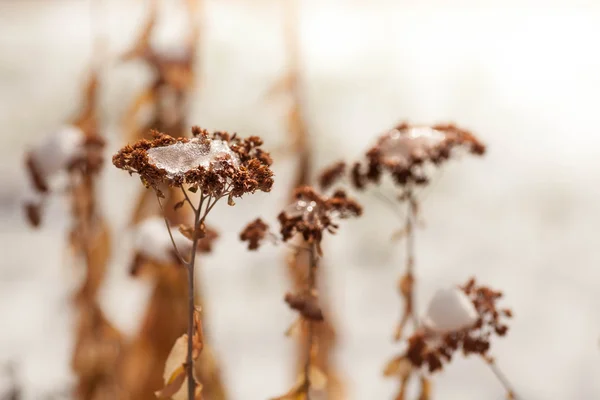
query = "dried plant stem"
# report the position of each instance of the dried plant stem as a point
(407, 281)
(410, 254)
(510, 392)
(311, 283)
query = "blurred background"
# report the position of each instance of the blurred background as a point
(522, 75)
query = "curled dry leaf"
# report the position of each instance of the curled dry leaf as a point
(175, 376)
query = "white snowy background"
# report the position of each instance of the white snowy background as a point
(524, 75)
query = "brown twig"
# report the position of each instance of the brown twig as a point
(311, 283)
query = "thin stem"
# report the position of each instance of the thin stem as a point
(179, 255)
(187, 198)
(199, 217)
(501, 377)
(410, 254)
(190, 268)
(311, 282)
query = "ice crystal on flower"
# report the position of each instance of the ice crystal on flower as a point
(180, 157)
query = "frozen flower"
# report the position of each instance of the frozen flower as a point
(450, 310)
(406, 150)
(217, 164)
(465, 327)
(53, 154)
(311, 214)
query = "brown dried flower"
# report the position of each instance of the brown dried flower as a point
(312, 214)
(331, 174)
(219, 164)
(254, 233)
(404, 150)
(432, 348)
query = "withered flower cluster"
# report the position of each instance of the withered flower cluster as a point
(68, 150)
(404, 152)
(431, 349)
(254, 233)
(217, 164)
(312, 214)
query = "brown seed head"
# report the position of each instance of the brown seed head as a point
(219, 164)
(254, 233)
(404, 150)
(427, 348)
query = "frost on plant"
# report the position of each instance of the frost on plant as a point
(180, 157)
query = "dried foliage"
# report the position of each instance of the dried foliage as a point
(75, 151)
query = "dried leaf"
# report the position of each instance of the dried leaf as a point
(230, 201)
(187, 231)
(294, 329)
(318, 379)
(399, 366)
(178, 205)
(173, 386)
(297, 392)
(425, 389)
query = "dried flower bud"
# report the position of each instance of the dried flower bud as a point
(254, 233)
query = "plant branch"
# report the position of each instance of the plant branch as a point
(179, 255)
(311, 282)
(510, 392)
(187, 198)
(190, 268)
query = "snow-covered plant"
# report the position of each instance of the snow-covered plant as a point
(209, 166)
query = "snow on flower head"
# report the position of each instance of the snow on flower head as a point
(450, 310)
(217, 164)
(406, 149)
(54, 154)
(312, 214)
(463, 318)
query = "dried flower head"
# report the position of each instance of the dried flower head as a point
(254, 233)
(331, 174)
(312, 214)
(219, 164)
(66, 150)
(405, 150)
(471, 331)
